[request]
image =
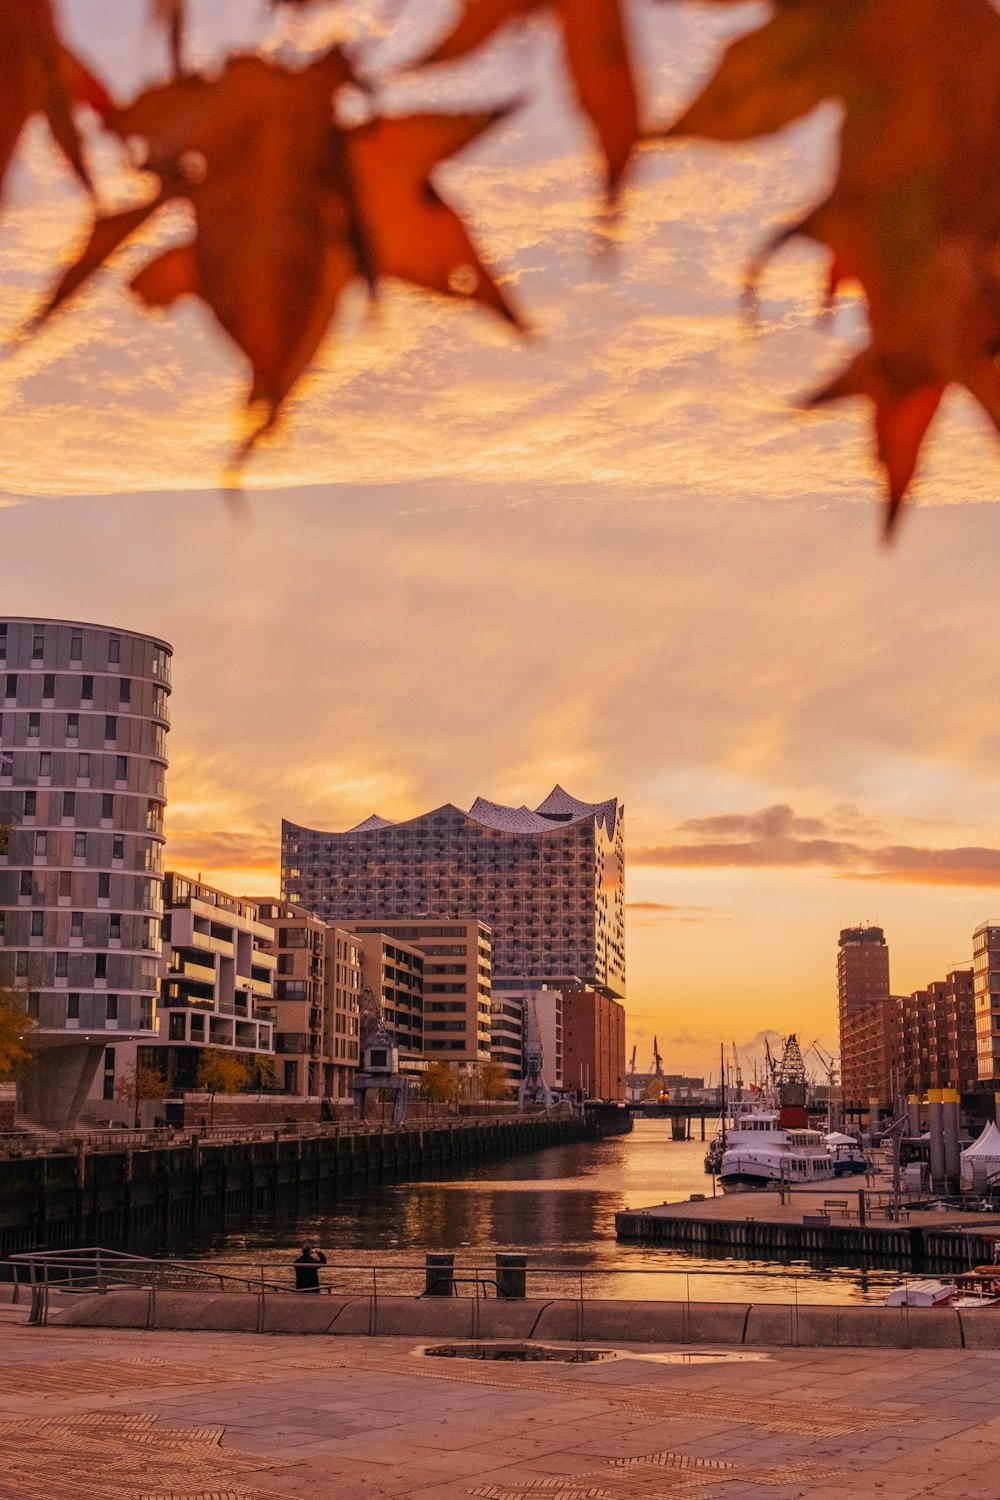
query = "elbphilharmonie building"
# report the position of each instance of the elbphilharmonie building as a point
(548, 881)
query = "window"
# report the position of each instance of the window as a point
(25, 885)
(115, 929)
(121, 767)
(100, 966)
(34, 726)
(79, 846)
(112, 1007)
(21, 965)
(146, 1012)
(83, 767)
(115, 648)
(3, 642)
(6, 765)
(125, 690)
(76, 925)
(103, 886)
(118, 846)
(69, 805)
(107, 807)
(65, 885)
(177, 1026)
(10, 687)
(72, 1007)
(49, 685)
(62, 965)
(45, 764)
(37, 923)
(34, 1005)
(41, 845)
(38, 645)
(86, 689)
(72, 726)
(76, 647)
(30, 802)
(110, 726)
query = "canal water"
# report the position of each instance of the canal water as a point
(558, 1206)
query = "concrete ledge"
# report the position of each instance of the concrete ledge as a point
(980, 1328)
(813, 1326)
(115, 1310)
(610, 1322)
(287, 1313)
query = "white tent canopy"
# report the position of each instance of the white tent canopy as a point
(982, 1159)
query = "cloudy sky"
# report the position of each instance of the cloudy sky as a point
(615, 558)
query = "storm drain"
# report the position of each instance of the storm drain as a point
(518, 1353)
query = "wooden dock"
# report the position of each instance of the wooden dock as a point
(765, 1226)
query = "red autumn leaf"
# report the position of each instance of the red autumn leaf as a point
(914, 215)
(39, 76)
(415, 235)
(597, 56)
(289, 208)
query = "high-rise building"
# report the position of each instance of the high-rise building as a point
(456, 1011)
(868, 1022)
(218, 979)
(83, 759)
(986, 989)
(507, 1035)
(593, 1044)
(392, 971)
(342, 1018)
(951, 1028)
(549, 882)
(300, 944)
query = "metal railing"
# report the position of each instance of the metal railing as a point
(93, 1270)
(17, 1143)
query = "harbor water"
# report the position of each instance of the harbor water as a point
(558, 1207)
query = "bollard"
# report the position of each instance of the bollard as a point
(439, 1276)
(512, 1275)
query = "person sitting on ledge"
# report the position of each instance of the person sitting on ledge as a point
(307, 1269)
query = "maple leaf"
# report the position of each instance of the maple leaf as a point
(596, 50)
(38, 75)
(289, 209)
(914, 214)
(416, 236)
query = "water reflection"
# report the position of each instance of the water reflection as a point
(559, 1207)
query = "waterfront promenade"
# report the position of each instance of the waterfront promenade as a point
(210, 1416)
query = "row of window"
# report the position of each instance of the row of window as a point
(72, 733)
(146, 1009)
(22, 965)
(49, 687)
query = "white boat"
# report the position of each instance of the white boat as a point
(977, 1288)
(762, 1152)
(922, 1294)
(848, 1156)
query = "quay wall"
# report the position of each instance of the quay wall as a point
(916, 1246)
(145, 1193)
(749, 1325)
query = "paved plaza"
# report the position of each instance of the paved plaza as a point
(92, 1414)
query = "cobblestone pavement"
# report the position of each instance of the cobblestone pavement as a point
(104, 1415)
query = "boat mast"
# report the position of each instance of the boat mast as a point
(722, 1077)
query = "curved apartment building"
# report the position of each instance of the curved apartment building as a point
(83, 758)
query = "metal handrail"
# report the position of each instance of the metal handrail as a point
(96, 1270)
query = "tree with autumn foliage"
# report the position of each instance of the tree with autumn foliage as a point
(15, 1030)
(299, 186)
(493, 1082)
(221, 1072)
(438, 1084)
(141, 1086)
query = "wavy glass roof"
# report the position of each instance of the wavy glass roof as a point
(558, 809)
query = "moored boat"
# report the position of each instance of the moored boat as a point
(763, 1151)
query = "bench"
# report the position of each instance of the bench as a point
(841, 1206)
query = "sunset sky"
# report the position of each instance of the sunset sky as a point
(615, 558)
